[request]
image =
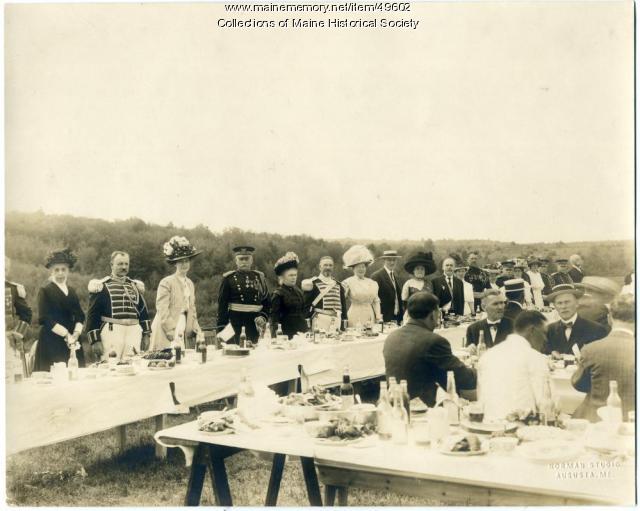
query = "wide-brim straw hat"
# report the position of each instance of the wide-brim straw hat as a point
(563, 289)
(357, 254)
(600, 285)
(390, 254)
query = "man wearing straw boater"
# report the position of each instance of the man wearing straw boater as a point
(243, 298)
(389, 289)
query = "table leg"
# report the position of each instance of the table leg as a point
(122, 438)
(343, 493)
(274, 480)
(161, 421)
(219, 479)
(196, 478)
(311, 480)
(329, 495)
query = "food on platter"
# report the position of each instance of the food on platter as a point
(340, 429)
(550, 451)
(463, 445)
(314, 397)
(537, 433)
(165, 354)
(233, 350)
(526, 417)
(161, 364)
(217, 422)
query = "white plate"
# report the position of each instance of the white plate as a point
(355, 442)
(550, 451)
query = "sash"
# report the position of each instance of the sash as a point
(323, 293)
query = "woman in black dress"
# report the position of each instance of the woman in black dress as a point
(59, 314)
(287, 303)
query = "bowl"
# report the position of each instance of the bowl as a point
(503, 444)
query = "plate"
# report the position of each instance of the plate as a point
(550, 451)
(542, 433)
(488, 427)
(353, 442)
(464, 453)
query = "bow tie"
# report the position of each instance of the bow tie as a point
(568, 324)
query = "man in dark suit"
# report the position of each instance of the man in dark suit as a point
(449, 289)
(507, 272)
(562, 275)
(572, 332)
(610, 359)
(575, 271)
(495, 326)
(389, 288)
(599, 292)
(514, 292)
(416, 354)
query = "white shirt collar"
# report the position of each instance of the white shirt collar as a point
(388, 270)
(572, 319)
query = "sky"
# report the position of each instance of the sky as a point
(511, 122)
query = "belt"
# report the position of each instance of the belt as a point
(242, 307)
(115, 321)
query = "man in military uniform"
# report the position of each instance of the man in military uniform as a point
(562, 275)
(117, 319)
(478, 278)
(546, 278)
(243, 298)
(324, 296)
(17, 316)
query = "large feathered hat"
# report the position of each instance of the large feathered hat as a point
(357, 254)
(289, 260)
(424, 259)
(64, 256)
(178, 248)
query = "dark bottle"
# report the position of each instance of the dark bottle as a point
(243, 338)
(346, 390)
(202, 348)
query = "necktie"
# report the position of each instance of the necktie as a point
(450, 285)
(396, 307)
(567, 329)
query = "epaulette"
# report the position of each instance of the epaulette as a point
(96, 285)
(139, 284)
(227, 273)
(307, 284)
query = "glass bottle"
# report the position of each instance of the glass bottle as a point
(546, 409)
(346, 390)
(400, 420)
(383, 413)
(404, 387)
(482, 346)
(614, 404)
(243, 338)
(393, 383)
(72, 365)
(451, 402)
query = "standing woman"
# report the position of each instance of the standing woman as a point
(287, 302)
(418, 266)
(361, 292)
(59, 314)
(176, 318)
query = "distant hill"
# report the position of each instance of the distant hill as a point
(30, 236)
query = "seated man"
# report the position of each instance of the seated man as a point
(513, 374)
(416, 354)
(572, 332)
(609, 359)
(495, 326)
(594, 303)
(514, 291)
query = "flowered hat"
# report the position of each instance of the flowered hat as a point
(64, 256)
(357, 254)
(289, 260)
(178, 248)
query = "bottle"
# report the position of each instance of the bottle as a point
(243, 338)
(614, 404)
(383, 413)
(451, 403)
(17, 370)
(482, 346)
(267, 335)
(72, 365)
(202, 348)
(400, 420)
(393, 383)
(546, 409)
(404, 387)
(346, 390)
(279, 332)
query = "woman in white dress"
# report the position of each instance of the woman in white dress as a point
(518, 273)
(537, 284)
(363, 304)
(418, 266)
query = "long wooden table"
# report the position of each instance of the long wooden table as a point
(492, 479)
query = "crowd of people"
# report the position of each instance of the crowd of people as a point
(596, 320)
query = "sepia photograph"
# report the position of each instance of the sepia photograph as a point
(313, 253)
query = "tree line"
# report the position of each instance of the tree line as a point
(29, 237)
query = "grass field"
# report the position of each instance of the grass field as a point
(90, 472)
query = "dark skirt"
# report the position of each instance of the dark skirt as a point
(53, 348)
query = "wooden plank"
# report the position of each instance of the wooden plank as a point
(218, 472)
(196, 477)
(160, 424)
(277, 467)
(330, 495)
(447, 492)
(311, 481)
(343, 496)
